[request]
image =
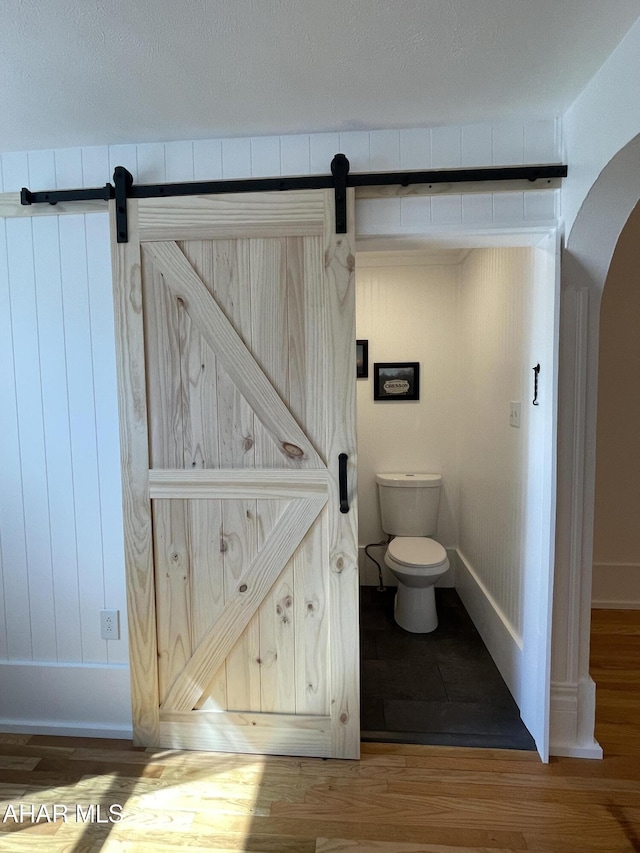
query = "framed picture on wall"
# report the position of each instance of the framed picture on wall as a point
(396, 380)
(362, 359)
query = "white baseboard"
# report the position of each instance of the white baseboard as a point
(616, 586)
(571, 705)
(64, 730)
(576, 750)
(570, 722)
(89, 700)
(498, 634)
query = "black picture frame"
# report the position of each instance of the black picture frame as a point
(405, 372)
(362, 359)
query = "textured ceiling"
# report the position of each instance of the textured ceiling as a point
(95, 71)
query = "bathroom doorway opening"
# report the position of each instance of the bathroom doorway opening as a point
(477, 312)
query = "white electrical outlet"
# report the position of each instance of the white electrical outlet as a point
(514, 414)
(110, 624)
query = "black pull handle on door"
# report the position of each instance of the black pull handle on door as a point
(342, 481)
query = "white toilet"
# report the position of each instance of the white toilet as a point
(409, 509)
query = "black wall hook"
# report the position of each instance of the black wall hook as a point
(536, 373)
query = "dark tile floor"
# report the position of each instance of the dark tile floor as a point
(437, 688)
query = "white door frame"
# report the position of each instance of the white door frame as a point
(540, 659)
(585, 265)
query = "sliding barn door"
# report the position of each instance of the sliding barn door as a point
(236, 344)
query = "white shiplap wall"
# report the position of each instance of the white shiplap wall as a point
(60, 513)
(408, 313)
(496, 295)
(60, 524)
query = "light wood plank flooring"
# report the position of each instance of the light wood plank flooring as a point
(397, 799)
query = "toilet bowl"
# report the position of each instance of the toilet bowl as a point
(417, 563)
(409, 513)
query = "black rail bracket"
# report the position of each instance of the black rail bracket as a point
(123, 181)
(340, 170)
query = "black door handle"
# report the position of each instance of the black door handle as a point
(342, 481)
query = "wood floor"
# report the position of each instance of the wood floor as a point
(397, 799)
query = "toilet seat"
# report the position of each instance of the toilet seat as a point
(417, 553)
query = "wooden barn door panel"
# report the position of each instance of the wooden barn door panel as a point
(240, 322)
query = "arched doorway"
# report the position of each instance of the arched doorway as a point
(616, 543)
(586, 261)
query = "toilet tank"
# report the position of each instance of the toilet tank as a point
(409, 503)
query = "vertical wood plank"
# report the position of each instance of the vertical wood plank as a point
(30, 424)
(15, 171)
(124, 155)
(265, 156)
(178, 158)
(199, 398)
(343, 547)
(207, 586)
(199, 376)
(311, 621)
(308, 337)
(322, 147)
(269, 333)
(16, 593)
(307, 331)
(240, 543)
(231, 272)
(236, 158)
(68, 165)
(162, 358)
(57, 440)
(173, 589)
(270, 347)
(236, 435)
(77, 324)
(42, 170)
(151, 163)
(199, 382)
(135, 479)
(277, 629)
(95, 165)
(207, 159)
(106, 410)
(294, 155)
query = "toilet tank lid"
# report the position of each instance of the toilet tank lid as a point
(409, 481)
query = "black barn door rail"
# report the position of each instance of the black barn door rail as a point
(339, 179)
